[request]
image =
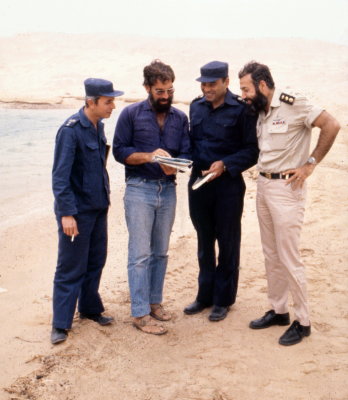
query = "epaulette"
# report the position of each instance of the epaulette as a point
(197, 98)
(240, 99)
(71, 122)
(287, 98)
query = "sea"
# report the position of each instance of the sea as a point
(27, 139)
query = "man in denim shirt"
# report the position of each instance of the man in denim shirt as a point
(224, 143)
(81, 191)
(151, 127)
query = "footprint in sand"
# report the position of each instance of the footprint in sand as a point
(306, 252)
(322, 327)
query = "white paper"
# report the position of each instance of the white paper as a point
(180, 163)
(201, 180)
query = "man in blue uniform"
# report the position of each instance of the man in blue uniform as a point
(145, 129)
(224, 143)
(81, 191)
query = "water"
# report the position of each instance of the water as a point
(26, 155)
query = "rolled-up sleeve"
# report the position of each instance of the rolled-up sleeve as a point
(64, 155)
(122, 146)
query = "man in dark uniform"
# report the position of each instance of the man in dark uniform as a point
(81, 190)
(224, 143)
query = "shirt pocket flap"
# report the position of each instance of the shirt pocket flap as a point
(196, 120)
(92, 146)
(227, 121)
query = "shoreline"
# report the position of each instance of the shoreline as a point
(73, 102)
(197, 359)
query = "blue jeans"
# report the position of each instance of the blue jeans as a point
(150, 212)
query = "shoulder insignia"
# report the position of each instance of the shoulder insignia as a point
(238, 98)
(286, 98)
(71, 122)
(197, 98)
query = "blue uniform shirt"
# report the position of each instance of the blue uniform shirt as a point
(137, 130)
(226, 133)
(79, 178)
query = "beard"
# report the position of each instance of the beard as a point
(158, 106)
(259, 102)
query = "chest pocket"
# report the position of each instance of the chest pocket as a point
(278, 134)
(172, 137)
(145, 134)
(225, 128)
(92, 155)
(195, 128)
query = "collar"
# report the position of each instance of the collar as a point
(275, 99)
(230, 99)
(275, 103)
(85, 122)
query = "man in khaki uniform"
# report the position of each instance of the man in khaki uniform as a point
(284, 134)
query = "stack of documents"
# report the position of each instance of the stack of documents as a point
(180, 163)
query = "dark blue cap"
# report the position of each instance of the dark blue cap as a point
(213, 71)
(100, 87)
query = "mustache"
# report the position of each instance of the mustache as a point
(162, 104)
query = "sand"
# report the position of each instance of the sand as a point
(197, 359)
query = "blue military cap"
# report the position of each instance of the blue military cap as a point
(213, 71)
(100, 87)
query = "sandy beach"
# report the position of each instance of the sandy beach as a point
(197, 359)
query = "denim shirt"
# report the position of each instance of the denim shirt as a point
(227, 133)
(79, 178)
(137, 130)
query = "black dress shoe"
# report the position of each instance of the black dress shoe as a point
(195, 308)
(58, 335)
(269, 319)
(218, 313)
(294, 334)
(100, 319)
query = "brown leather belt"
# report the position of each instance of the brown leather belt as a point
(272, 175)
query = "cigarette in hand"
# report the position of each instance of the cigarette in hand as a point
(72, 238)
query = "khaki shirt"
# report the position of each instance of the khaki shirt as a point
(284, 133)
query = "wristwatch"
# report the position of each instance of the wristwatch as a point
(312, 160)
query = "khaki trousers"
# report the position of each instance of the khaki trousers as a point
(280, 211)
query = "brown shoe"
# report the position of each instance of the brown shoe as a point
(147, 324)
(158, 312)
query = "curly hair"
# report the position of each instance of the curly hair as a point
(259, 72)
(157, 71)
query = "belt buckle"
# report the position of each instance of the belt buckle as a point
(268, 175)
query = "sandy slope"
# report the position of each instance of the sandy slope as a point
(196, 360)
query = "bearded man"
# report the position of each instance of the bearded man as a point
(144, 130)
(284, 127)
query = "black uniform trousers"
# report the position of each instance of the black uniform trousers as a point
(216, 209)
(79, 268)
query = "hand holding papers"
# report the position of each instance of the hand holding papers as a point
(201, 180)
(179, 163)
